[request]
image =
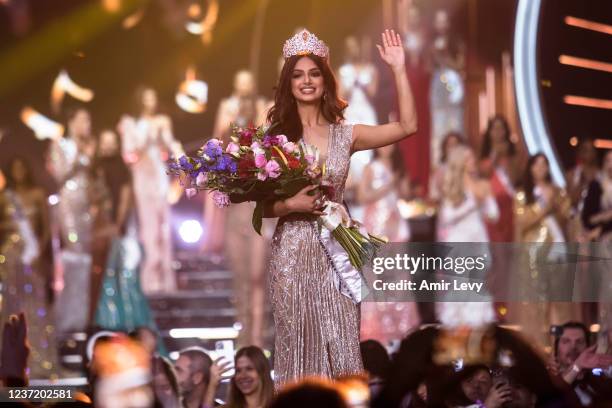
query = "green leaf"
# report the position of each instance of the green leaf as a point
(258, 216)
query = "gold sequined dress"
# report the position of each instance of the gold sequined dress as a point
(316, 327)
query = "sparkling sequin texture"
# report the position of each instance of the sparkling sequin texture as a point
(317, 328)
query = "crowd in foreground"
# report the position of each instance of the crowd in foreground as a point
(490, 367)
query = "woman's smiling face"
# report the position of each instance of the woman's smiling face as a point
(307, 84)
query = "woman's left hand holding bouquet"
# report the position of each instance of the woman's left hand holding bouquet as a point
(303, 202)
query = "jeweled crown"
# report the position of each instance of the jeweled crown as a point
(304, 43)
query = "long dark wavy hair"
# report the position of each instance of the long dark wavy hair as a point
(262, 366)
(284, 117)
(528, 182)
(487, 142)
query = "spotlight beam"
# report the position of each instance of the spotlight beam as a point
(54, 41)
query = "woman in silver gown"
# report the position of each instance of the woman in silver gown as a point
(317, 328)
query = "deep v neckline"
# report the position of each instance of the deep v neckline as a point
(327, 154)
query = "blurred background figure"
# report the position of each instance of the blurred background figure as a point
(579, 179)
(165, 384)
(467, 204)
(447, 89)
(416, 149)
(229, 231)
(383, 183)
(26, 286)
(436, 183)
(123, 374)
(121, 305)
(147, 142)
(597, 220)
(541, 211)
(358, 84)
(70, 161)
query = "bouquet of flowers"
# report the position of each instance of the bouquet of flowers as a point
(261, 167)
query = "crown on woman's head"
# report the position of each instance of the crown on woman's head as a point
(304, 43)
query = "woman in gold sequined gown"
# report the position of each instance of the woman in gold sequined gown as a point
(317, 328)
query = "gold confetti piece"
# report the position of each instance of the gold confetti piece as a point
(43, 127)
(65, 85)
(132, 20)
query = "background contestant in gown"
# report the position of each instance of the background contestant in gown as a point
(541, 211)
(147, 143)
(467, 204)
(317, 327)
(70, 164)
(23, 214)
(120, 304)
(384, 182)
(358, 84)
(230, 228)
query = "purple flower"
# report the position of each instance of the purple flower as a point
(185, 164)
(212, 149)
(226, 163)
(269, 141)
(220, 199)
(272, 169)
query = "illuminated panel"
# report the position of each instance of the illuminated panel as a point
(588, 102)
(585, 63)
(588, 25)
(526, 82)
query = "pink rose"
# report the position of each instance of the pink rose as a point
(262, 176)
(190, 192)
(272, 169)
(260, 161)
(232, 148)
(201, 180)
(220, 199)
(281, 139)
(289, 147)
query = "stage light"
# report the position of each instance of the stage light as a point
(192, 95)
(585, 63)
(205, 26)
(587, 102)
(212, 333)
(588, 25)
(595, 328)
(603, 143)
(53, 199)
(573, 141)
(190, 231)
